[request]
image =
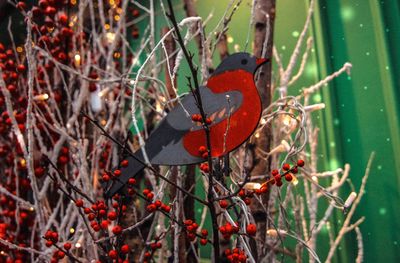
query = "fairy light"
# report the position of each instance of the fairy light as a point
(103, 92)
(272, 232)
(349, 201)
(263, 121)
(257, 135)
(287, 120)
(107, 26)
(77, 58)
(117, 55)
(314, 107)
(22, 162)
(110, 36)
(230, 39)
(20, 49)
(294, 180)
(119, 10)
(78, 245)
(252, 186)
(41, 97)
(72, 230)
(314, 178)
(73, 2)
(117, 17)
(31, 209)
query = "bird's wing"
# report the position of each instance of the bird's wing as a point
(217, 107)
(164, 145)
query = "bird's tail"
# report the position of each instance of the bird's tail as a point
(114, 186)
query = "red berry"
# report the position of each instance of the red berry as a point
(166, 208)
(21, 68)
(117, 230)
(295, 170)
(60, 254)
(151, 208)
(125, 249)
(106, 177)
(208, 121)
(223, 204)
(203, 241)
(112, 215)
(279, 183)
(104, 224)
(146, 191)
(202, 149)
(251, 229)
(150, 196)
(132, 181)
(204, 232)
(274, 172)
(67, 246)
(286, 167)
(158, 203)
(188, 222)
(117, 173)
(300, 163)
(124, 163)
(113, 254)
(288, 177)
(49, 243)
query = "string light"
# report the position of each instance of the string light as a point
(294, 180)
(349, 201)
(252, 186)
(314, 107)
(110, 36)
(107, 26)
(41, 97)
(72, 230)
(77, 58)
(20, 49)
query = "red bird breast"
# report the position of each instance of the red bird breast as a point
(242, 122)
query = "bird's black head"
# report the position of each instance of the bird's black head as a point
(241, 60)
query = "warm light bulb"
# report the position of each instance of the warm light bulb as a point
(44, 96)
(294, 180)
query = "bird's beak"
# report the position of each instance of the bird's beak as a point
(260, 61)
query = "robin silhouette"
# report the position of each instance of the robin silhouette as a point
(231, 103)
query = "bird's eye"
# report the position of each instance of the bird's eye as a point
(244, 61)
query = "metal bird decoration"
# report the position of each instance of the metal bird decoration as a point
(232, 105)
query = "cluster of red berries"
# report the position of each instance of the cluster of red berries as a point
(236, 255)
(100, 217)
(51, 238)
(63, 157)
(228, 230)
(157, 204)
(203, 151)
(288, 173)
(113, 254)
(191, 228)
(204, 167)
(246, 196)
(204, 234)
(199, 119)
